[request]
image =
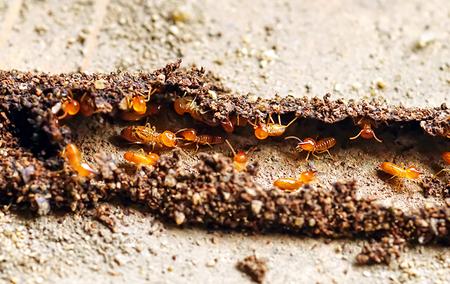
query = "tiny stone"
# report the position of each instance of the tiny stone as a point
(179, 218)
(100, 84)
(256, 206)
(170, 181)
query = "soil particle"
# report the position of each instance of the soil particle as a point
(103, 214)
(255, 268)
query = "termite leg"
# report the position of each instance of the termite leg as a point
(328, 152)
(150, 93)
(292, 121)
(307, 156)
(270, 119)
(192, 102)
(252, 124)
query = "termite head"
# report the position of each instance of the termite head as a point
(308, 144)
(261, 132)
(240, 157)
(139, 104)
(183, 105)
(367, 133)
(70, 106)
(188, 134)
(168, 139)
(413, 173)
(308, 176)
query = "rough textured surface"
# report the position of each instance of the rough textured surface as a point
(400, 55)
(255, 268)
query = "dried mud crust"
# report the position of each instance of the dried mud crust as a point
(33, 175)
(254, 267)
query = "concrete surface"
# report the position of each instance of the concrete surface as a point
(395, 50)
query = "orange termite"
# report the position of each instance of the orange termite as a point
(73, 157)
(69, 106)
(291, 184)
(311, 146)
(270, 128)
(190, 135)
(366, 130)
(446, 158)
(240, 158)
(397, 171)
(141, 158)
(148, 135)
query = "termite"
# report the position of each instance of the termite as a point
(366, 130)
(141, 158)
(312, 146)
(446, 158)
(291, 184)
(73, 157)
(148, 135)
(190, 135)
(270, 128)
(69, 106)
(400, 172)
(186, 105)
(240, 158)
(138, 103)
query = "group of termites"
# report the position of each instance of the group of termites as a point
(137, 107)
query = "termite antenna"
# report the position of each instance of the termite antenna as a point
(359, 134)
(376, 138)
(182, 129)
(293, 137)
(231, 147)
